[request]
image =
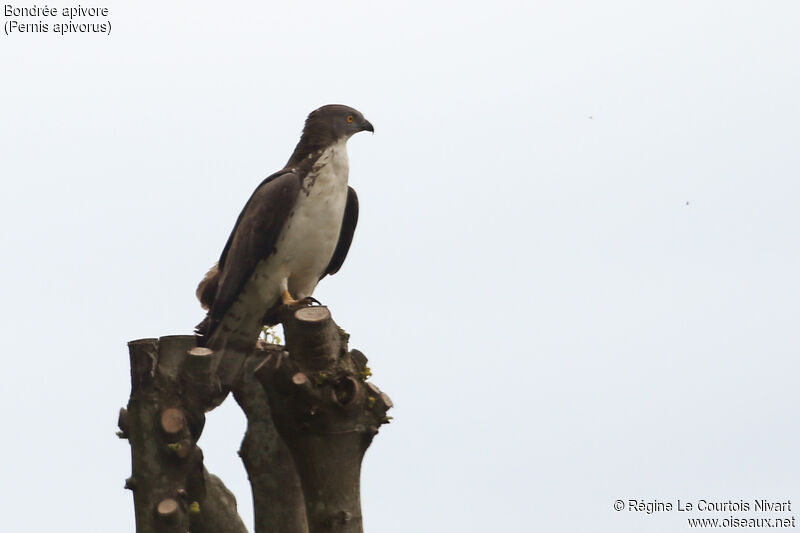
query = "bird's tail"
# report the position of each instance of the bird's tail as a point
(207, 288)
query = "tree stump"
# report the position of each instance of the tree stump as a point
(311, 416)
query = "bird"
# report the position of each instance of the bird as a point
(296, 228)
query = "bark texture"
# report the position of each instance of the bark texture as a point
(278, 502)
(311, 416)
(172, 491)
(326, 413)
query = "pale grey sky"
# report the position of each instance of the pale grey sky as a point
(575, 270)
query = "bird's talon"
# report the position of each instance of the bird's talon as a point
(289, 301)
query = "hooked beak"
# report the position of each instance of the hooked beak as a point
(368, 126)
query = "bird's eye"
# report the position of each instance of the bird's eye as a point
(350, 119)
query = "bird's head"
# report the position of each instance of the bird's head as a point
(336, 122)
(326, 126)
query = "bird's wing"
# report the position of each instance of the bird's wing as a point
(253, 237)
(349, 222)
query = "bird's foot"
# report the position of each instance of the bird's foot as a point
(309, 301)
(289, 301)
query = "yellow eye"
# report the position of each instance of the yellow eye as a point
(350, 119)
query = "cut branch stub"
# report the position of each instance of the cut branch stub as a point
(300, 379)
(199, 363)
(172, 352)
(313, 315)
(201, 387)
(122, 423)
(168, 510)
(376, 392)
(173, 421)
(144, 356)
(312, 334)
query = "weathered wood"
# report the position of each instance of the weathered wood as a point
(216, 512)
(169, 511)
(172, 420)
(154, 479)
(311, 331)
(311, 416)
(201, 387)
(172, 352)
(143, 355)
(169, 481)
(326, 414)
(199, 362)
(278, 501)
(122, 423)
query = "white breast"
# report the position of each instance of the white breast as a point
(309, 238)
(303, 251)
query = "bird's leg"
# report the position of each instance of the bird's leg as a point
(287, 298)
